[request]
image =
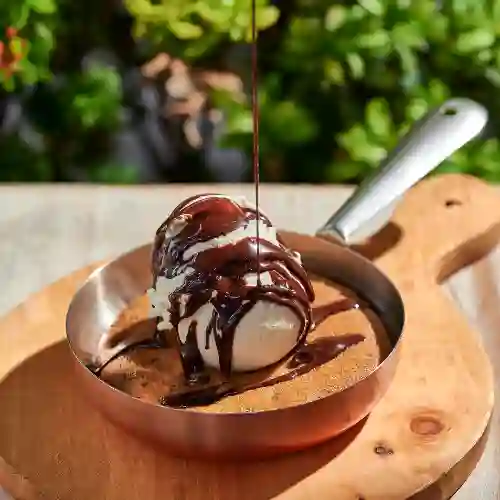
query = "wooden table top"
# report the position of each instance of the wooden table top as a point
(48, 231)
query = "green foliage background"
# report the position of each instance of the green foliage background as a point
(340, 81)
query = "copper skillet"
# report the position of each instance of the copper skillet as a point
(249, 435)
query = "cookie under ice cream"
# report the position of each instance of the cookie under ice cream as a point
(234, 307)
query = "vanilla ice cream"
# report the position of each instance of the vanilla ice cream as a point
(235, 308)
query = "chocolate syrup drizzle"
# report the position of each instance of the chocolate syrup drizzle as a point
(217, 276)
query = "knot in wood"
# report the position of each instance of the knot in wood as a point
(426, 425)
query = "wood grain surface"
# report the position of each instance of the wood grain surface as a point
(435, 412)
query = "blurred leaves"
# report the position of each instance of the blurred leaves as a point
(42, 6)
(193, 26)
(360, 74)
(340, 82)
(109, 173)
(96, 99)
(27, 34)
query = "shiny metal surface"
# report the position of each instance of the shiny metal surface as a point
(238, 435)
(433, 139)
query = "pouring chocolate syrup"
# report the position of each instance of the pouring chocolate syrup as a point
(255, 115)
(215, 277)
(219, 280)
(250, 255)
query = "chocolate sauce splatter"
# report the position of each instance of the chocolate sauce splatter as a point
(307, 358)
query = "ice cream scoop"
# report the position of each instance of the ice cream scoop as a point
(236, 305)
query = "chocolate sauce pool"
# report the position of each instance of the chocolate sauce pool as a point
(305, 357)
(308, 357)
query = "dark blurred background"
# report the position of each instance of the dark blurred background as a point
(136, 91)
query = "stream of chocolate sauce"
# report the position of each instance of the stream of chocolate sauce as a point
(255, 115)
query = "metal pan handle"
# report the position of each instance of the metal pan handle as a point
(430, 141)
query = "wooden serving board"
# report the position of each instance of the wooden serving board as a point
(421, 441)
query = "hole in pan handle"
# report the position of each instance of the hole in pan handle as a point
(429, 142)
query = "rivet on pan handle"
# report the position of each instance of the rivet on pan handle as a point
(430, 141)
